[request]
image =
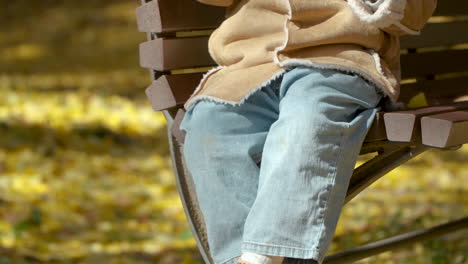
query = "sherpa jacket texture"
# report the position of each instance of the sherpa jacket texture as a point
(260, 39)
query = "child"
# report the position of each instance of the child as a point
(273, 134)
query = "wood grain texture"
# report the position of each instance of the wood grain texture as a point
(404, 126)
(163, 16)
(445, 130)
(170, 54)
(170, 91)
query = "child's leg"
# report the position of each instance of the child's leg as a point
(308, 158)
(222, 150)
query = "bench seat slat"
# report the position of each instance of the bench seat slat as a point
(162, 16)
(404, 126)
(445, 130)
(170, 54)
(436, 34)
(429, 63)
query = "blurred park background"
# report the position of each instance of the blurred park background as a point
(85, 172)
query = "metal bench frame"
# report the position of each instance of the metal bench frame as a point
(397, 136)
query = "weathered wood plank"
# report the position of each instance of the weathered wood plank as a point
(170, 54)
(162, 16)
(404, 126)
(170, 91)
(451, 8)
(438, 34)
(445, 130)
(423, 64)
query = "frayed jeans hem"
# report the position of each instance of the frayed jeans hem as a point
(232, 260)
(292, 255)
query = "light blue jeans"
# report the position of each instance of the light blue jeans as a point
(271, 174)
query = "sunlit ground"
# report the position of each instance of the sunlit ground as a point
(85, 174)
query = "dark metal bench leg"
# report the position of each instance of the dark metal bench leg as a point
(395, 242)
(186, 193)
(380, 165)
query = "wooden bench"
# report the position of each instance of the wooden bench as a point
(435, 74)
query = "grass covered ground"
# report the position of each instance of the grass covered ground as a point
(85, 173)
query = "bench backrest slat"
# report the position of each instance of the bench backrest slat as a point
(170, 54)
(170, 91)
(162, 16)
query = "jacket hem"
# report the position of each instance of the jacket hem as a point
(287, 64)
(198, 98)
(200, 84)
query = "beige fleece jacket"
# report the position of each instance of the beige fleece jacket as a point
(261, 38)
